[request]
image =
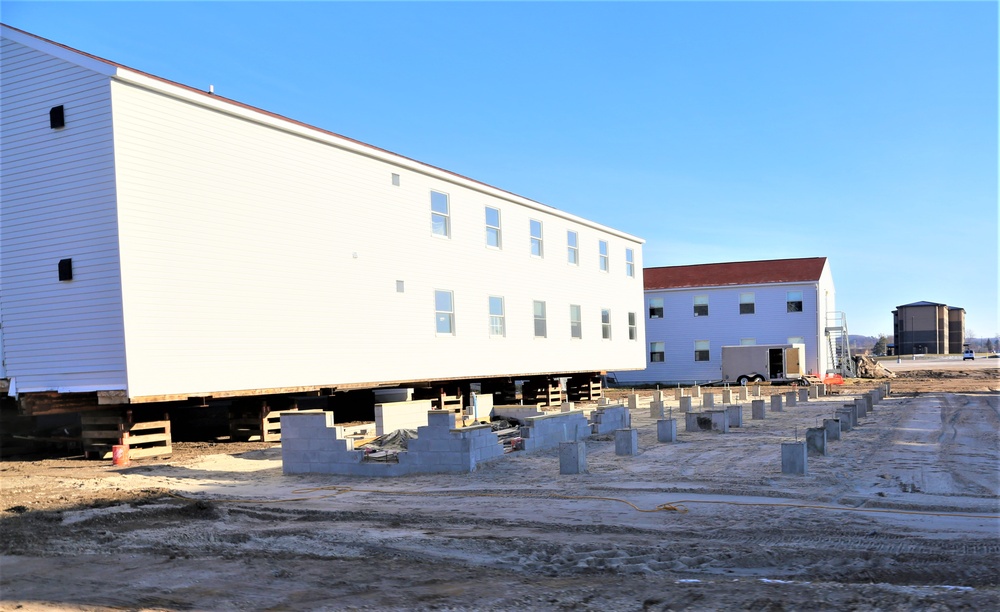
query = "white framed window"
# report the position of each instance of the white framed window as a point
(440, 214)
(633, 330)
(575, 321)
(498, 323)
(794, 301)
(701, 350)
(606, 323)
(395, 179)
(656, 352)
(573, 247)
(537, 248)
(748, 303)
(748, 341)
(444, 312)
(602, 249)
(540, 325)
(493, 227)
(655, 308)
(701, 305)
(796, 340)
(630, 262)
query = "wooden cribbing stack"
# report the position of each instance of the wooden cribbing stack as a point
(101, 431)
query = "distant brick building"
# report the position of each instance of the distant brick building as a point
(928, 327)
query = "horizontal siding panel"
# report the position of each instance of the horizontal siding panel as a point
(252, 258)
(58, 202)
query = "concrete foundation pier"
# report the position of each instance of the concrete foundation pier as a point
(756, 390)
(790, 398)
(869, 402)
(727, 396)
(633, 402)
(803, 395)
(572, 458)
(691, 421)
(626, 441)
(845, 418)
(678, 393)
(816, 441)
(666, 430)
(793, 458)
(821, 390)
(743, 394)
(708, 400)
(657, 396)
(813, 391)
(696, 391)
(757, 409)
(776, 403)
(566, 407)
(832, 429)
(656, 409)
(720, 420)
(685, 404)
(735, 415)
(861, 406)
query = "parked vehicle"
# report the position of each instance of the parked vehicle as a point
(775, 363)
(968, 354)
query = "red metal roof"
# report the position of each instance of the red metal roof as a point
(735, 273)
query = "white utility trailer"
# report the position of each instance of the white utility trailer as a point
(775, 363)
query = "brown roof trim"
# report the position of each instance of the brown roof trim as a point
(734, 273)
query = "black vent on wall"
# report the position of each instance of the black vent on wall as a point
(56, 118)
(65, 269)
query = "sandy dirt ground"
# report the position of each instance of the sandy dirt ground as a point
(902, 514)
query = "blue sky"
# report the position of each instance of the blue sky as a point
(863, 132)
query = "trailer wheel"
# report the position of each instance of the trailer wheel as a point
(743, 380)
(758, 379)
(802, 382)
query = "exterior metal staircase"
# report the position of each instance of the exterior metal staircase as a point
(839, 345)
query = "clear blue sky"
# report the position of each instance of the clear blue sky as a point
(863, 132)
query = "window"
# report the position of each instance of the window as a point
(748, 341)
(575, 322)
(573, 248)
(656, 352)
(747, 304)
(440, 214)
(400, 287)
(701, 305)
(602, 247)
(395, 179)
(796, 340)
(498, 327)
(57, 118)
(606, 323)
(633, 331)
(629, 262)
(492, 227)
(701, 350)
(540, 331)
(444, 311)
(536, 238)
(794, 301)
(655, 308)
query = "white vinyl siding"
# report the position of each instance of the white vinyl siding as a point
(58, 202)
(250, 253)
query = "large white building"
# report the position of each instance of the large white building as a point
(693, 311)
(160, 242)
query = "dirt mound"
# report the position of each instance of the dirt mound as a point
(867, 367)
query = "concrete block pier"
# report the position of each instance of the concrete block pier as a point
(626, 442)
(816, 441)
(776, 403)
(666, 430)
(572, 458)
(757, 409)
(793, 458)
